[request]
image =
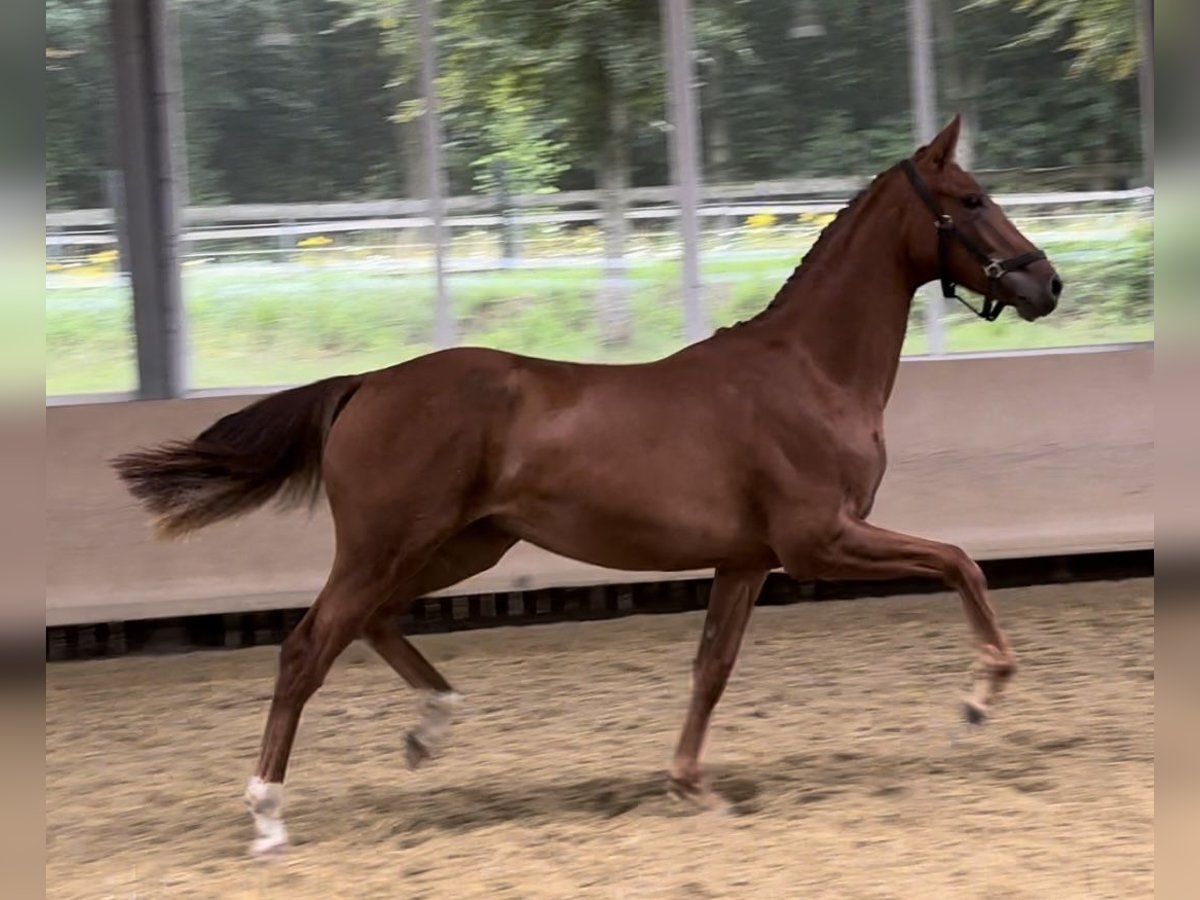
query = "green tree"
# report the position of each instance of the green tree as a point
(814, 88)
(520, 152)
(280, 105)
(79, 103)
(534, 89)
(302, 100)
(1101, 34)
(1024, 110)
(604, 77)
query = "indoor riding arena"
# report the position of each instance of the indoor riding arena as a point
(862, 289)
(838, 748)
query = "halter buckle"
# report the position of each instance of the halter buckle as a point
(944, 223)
(994, 270)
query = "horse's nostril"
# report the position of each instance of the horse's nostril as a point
(1056, 286)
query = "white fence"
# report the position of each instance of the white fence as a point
(287, 223)
(384, 236)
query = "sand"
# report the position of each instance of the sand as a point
(832, 746)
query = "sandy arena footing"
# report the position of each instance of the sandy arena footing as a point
(832, 746)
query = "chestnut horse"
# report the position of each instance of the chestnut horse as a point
(759, 447)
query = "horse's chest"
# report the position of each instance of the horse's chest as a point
(862, 462)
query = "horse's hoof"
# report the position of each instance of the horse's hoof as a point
(698, 796)
(974, 713)
(416, 752)
(265, 802)
(266, 847)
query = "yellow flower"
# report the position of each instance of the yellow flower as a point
(819, 220)
(317, 240)
(760, 221)
(103, 258)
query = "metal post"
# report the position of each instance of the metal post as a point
(287, 240)
(920, 57)
(1145, 14)
(510, 227)
(445, 329)
(677, 32)
(170, 66)
(114, 196)
(924, 104)
(151, 161)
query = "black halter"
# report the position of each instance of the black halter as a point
(995, 269)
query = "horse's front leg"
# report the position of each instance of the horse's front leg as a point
(729, 607)
(862, 551)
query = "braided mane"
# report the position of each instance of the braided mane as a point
(822, 240)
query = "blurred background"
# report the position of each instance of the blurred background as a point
(342, 189)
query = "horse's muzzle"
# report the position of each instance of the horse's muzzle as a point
(1034, 298)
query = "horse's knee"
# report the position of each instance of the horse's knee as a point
(962, 571)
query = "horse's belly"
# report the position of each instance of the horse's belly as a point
(654, 536)
(625, 480)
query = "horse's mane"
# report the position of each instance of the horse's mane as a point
(823, 239)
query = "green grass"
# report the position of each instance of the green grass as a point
(252, 327)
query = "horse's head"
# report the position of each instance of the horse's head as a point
(960, 236)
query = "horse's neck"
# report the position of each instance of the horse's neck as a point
(849, 313)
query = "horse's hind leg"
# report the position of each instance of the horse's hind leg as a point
(729, 607)
(358, 584)
(304, 660)
(438, 698)
(474, 550)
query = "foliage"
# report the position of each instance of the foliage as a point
(808, 105)
(282, 106)
(79, 105)
(1103, 34)
(306, 100)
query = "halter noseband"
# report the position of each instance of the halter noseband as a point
(995, 269)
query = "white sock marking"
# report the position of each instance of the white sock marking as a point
(265, 800)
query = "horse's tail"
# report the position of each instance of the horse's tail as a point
(271, 448)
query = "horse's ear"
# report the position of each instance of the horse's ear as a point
(941, 149)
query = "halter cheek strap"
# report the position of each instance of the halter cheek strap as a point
(994, 269)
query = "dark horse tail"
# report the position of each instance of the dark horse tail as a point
(272, 448)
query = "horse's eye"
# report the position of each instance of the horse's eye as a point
(973, 201)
